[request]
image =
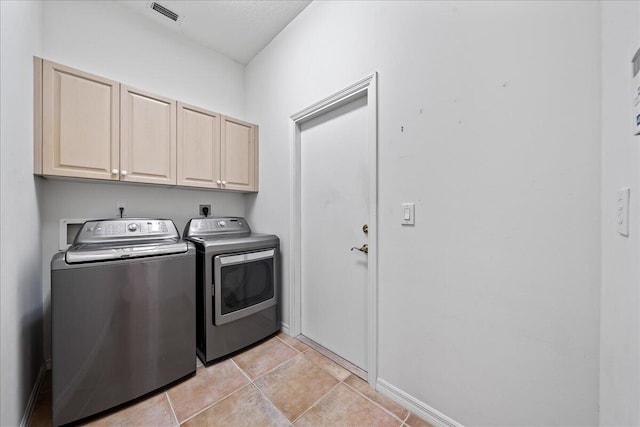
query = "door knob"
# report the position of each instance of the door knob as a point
(364, 248)
(365, 228)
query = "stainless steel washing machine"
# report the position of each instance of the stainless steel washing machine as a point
(123, 315)
(237, 291)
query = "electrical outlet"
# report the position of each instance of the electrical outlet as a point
(119, 206)
(201, 210)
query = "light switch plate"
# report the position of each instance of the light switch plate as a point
(408, 214)
(622, 211)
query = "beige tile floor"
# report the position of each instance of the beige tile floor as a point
(278, 382)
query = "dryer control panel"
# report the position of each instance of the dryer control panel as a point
(219, 225)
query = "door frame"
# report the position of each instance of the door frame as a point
(364, 87)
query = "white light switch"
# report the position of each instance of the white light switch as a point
(408, 214)
(622, 211)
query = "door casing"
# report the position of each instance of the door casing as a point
(364, 87)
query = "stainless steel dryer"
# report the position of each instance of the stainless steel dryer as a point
(123, 315)
(237, 291)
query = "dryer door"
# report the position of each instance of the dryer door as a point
(243, 284)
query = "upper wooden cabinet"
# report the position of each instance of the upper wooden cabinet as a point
(198, 147)
(216, 151)
(91, 127)
(147, 137)
(239, 155)
(80, 123)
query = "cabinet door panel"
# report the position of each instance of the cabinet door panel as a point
(80, 123)
(198, 147)
(238, 155)
(147, 137)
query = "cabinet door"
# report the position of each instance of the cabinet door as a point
(147, 137)
(239, 154)
(80, 119)
(198, 147)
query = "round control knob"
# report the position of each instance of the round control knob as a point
(114, 171)
(221, 223)
(123, 173)
(132, 227)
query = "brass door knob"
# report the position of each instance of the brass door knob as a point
(364, 248)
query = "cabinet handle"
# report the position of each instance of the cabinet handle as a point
(114, 171)
(218, 182)
(224, 182)
(123, 173)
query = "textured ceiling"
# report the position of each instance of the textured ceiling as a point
(238, 29)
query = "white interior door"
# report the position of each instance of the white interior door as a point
(334, 207)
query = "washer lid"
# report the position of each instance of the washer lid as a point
(93, 253)
(120, 238)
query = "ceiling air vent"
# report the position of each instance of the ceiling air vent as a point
(164, 11)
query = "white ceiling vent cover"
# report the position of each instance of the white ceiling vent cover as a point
(164, 11)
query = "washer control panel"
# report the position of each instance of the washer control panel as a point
(116, 229)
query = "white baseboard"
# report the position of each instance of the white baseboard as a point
(419, 408)
(285, 328)
(31, 404)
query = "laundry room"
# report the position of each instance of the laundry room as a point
(472, 166)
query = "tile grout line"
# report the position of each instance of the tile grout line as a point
(402, 421)
(290, 346)
(175, 417)
(225, 396)
(357, 391)
(272, 369)
(287, 344)
(316, 402)
(241, 370)
(302, 353)
(335, 358)
(299, 353)
(272, 404)
(214, 403)
(260, 390)
(380, 406)
(407, 417)
(324, 369)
